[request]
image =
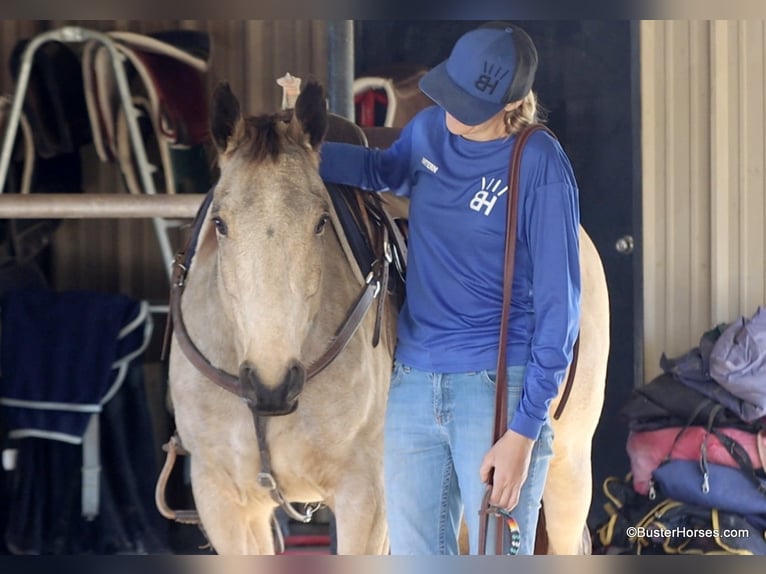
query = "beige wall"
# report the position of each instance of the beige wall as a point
(703, 139)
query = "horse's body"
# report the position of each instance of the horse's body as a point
(270, 283)
(568, 490)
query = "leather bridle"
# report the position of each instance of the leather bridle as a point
(375, 282)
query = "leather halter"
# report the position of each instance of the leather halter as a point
(376, 280)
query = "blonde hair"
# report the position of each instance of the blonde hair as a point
(527, 113)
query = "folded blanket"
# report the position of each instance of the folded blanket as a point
(63, 356)
(648, 449)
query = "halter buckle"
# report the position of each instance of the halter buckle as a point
(387, 251)
(266, 480)
(179, 271)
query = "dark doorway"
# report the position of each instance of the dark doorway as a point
(587, 80)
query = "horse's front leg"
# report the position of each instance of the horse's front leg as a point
(359, 508)
(234, 522)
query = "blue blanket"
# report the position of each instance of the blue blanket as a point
(63, 355)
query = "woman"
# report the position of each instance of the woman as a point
(452, 161)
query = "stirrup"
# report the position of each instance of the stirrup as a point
(173, 448)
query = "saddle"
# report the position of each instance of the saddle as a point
(364, 214)
(166, 75)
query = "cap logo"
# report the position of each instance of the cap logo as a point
(490, 78)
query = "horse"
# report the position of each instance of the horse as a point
(266, 287)
(270, 291)
(567, 495)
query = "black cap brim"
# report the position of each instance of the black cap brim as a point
(467, 109)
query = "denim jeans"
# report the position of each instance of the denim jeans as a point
(438, 429)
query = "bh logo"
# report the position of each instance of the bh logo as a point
(490, 77)
(484, 199)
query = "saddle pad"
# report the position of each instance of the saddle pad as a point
(648, 449)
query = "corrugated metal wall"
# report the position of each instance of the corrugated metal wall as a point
(123, 256)
(703, 141)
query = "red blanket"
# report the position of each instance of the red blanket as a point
(648, 449)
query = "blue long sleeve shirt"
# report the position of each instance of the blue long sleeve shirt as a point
(450, 321)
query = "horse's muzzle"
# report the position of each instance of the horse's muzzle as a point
(278, 400)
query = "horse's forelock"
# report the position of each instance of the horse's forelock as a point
(265, 137)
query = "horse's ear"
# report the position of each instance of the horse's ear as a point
(225, 116)
(311, 112)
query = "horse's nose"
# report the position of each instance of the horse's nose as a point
(272, 400)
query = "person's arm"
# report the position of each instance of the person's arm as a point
(553, 238)
(366, 168)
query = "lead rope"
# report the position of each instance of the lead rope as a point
(500, 421)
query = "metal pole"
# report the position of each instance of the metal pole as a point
(98, 206)
(340, 68)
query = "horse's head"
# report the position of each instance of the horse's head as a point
(270, 211)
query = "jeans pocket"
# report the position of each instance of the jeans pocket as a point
(397, 374)
(514, 379)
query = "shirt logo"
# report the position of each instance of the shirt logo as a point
(484, 199)
(490, 78)
(429, 165)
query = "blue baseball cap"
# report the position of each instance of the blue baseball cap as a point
(488, 68)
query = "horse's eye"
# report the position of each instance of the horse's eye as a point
(321, 224)
(220, 225)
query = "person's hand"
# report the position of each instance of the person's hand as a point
(509, 457)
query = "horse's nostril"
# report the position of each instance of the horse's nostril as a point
(294, 380)
(248, 374)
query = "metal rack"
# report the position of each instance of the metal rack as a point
(158, 207)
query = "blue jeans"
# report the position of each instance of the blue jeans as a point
(438, 429)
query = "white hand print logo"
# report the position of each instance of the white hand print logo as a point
(485, 198)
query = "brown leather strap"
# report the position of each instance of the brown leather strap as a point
(232, 383)
(350, 325)
(501, 394)
(569, 381)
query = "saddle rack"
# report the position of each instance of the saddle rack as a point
(113, 50)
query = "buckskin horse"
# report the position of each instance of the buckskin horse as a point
(282, 349)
